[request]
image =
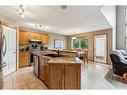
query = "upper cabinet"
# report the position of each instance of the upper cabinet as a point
(44, 38)
(25, 36)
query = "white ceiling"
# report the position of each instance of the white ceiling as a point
(75, 18)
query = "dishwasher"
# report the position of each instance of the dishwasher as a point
(35, 65)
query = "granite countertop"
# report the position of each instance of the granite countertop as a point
(58, 60)
(64, 60)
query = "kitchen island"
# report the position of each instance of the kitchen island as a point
(60, 72)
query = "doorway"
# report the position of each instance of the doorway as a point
(8, 50)
(100, 48)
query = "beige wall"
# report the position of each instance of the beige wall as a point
(52, 37)
(90, 37)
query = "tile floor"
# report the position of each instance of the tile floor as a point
(92, 77)
(23, 79)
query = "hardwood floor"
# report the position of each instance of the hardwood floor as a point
(92, 77)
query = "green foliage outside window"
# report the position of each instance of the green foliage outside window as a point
(76, 43)
(80, 43)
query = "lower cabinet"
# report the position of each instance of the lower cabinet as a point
(60, 76)
(44, 70)
(64, 76)
(56, 77)
(72, 77)
(24, 59)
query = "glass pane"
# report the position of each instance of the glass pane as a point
(84, 43)
(100, 43)
(126, 14)
(76, 43)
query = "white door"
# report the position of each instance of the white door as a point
(100, 51)
(9, 50)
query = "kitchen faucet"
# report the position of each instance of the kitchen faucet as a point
(57, 51)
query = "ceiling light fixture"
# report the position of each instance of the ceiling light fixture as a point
(40, 27)
(21, 10)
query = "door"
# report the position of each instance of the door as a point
(100, 48)
(9, 50)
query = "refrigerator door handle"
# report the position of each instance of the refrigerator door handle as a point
(4, 45)
(3, 65)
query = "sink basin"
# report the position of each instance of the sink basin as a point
(54, 55)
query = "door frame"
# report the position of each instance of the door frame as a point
(106, 47)
(17, 32)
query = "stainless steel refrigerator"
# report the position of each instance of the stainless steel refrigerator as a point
(2, 52)
(1, 81)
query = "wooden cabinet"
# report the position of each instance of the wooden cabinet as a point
(65, 76)
(72, 77)
(56, 77)
(44, 38)
(31, 35)
(44, 70)
(25, 36)
(24, 59)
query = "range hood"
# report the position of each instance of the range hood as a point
(35, 41)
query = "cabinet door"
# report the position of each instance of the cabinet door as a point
(56, 75)
(23, 37)
(72, 77)
(24, 59)
(37, 36)
(44, 38)
(32, 35)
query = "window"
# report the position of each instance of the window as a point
(79, 43)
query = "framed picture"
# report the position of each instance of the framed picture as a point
(58, 44)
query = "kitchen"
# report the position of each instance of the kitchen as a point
(33, 51)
